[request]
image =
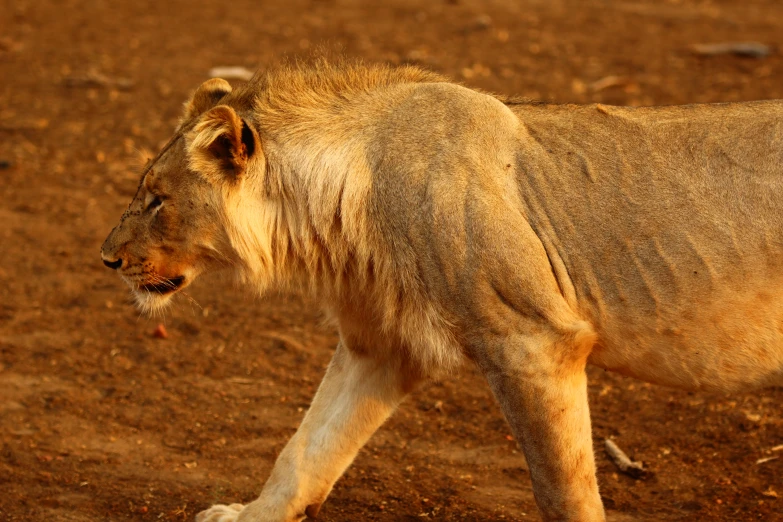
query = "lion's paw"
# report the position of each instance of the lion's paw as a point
(220, 513)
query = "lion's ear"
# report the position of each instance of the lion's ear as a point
(221, 144)
(205, 97)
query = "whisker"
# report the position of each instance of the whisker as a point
(158, 280)
(191, 300)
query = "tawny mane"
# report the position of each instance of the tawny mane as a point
(309, 116)
(299, 87)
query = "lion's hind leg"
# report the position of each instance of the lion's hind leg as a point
(541, 385)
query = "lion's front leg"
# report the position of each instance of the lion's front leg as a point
(541, 385)
(356, 396)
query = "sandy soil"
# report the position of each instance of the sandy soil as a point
(101, 421)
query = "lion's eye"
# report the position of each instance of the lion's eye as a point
(155, 203)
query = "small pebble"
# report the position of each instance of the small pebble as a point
(160, 332)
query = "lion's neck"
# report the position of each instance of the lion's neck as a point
(319, 170)
(301, 224)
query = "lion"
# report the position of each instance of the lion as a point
(439, 224)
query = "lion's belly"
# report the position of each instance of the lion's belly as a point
(734, 341)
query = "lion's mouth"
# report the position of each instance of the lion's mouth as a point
(164, 286)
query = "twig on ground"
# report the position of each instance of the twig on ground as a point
(623, 462)
(231, 73)
(38, 124)
(752, 49)
(608, 82)
(96, 79)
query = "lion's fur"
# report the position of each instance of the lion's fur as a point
(436, 222)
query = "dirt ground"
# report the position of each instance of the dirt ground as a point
(101, 421)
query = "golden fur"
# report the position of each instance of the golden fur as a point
(435, 223)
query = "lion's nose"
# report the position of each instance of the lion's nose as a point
(114, 265)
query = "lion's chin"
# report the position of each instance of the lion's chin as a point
(151, 303)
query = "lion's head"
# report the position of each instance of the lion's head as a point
(175, 227)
